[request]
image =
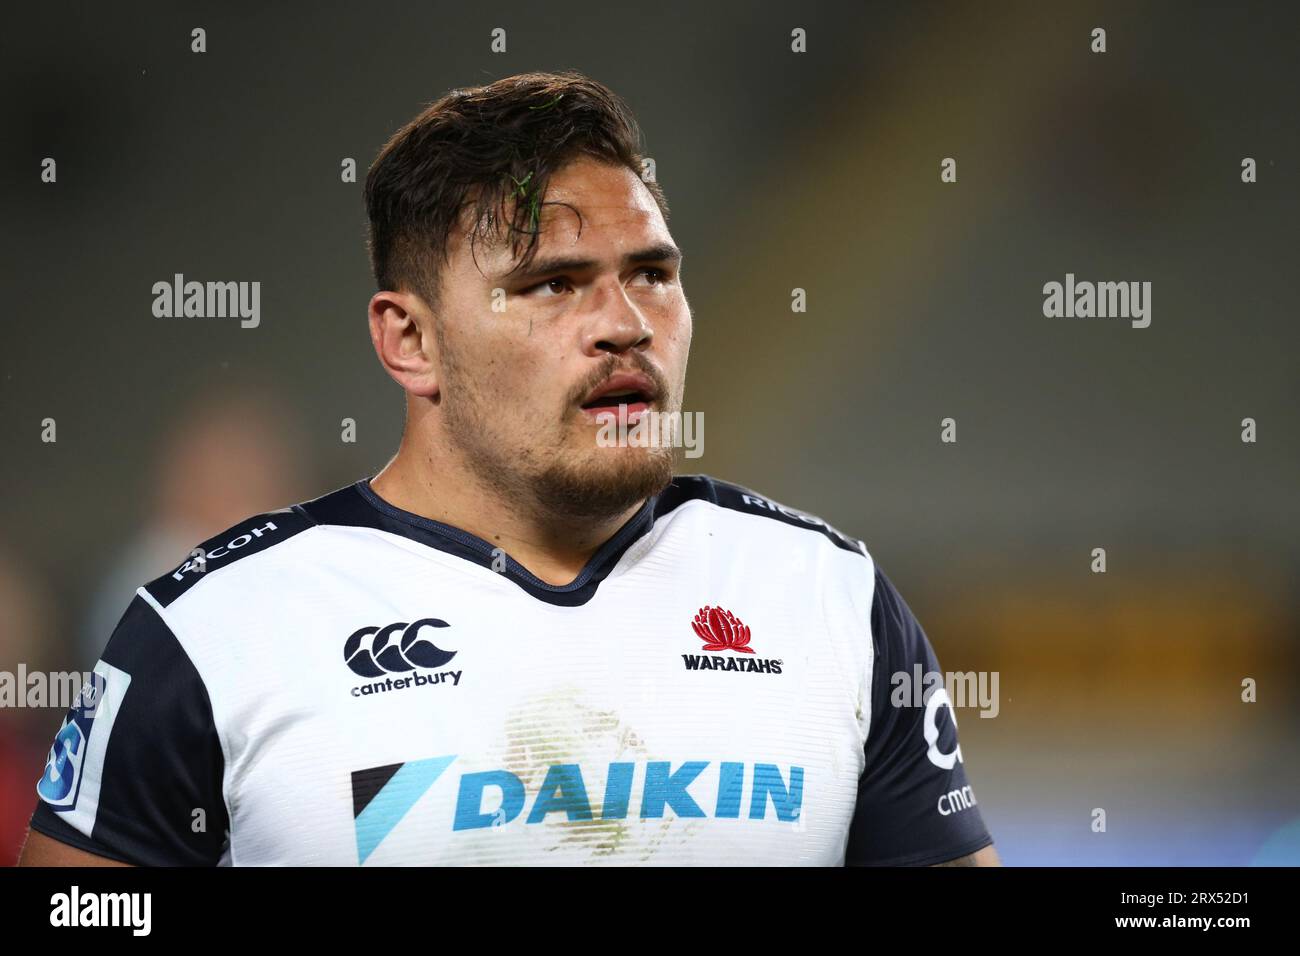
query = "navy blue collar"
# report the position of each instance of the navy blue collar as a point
(357, 505)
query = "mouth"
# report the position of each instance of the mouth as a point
(632, 390)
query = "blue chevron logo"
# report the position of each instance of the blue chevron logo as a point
(381, 797)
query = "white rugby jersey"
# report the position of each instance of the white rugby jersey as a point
(343, 682)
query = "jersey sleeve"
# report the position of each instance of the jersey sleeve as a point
(915, 806)
(135, 772)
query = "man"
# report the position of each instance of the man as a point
(515, 644)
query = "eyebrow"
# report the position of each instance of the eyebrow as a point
(659, 252)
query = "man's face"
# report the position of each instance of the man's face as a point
(600, 309)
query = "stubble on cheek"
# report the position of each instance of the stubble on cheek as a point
(496, 420)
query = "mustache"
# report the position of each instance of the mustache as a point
(613, 365)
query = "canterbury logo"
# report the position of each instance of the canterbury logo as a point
(720, 630)
(376, 651)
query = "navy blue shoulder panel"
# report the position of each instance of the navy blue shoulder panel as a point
(740, 498)
(357, 505)
(248, 537)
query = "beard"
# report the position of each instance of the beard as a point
(616, 480)
(597, 484)
(568, 476)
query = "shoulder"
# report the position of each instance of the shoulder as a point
(221, 556)
(853, 586)
(758, 511)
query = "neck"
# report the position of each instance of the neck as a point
(553, 548)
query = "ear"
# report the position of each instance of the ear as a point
(401, 330)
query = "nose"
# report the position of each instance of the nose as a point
(614, 324)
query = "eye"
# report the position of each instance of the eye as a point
(658, 275)
(550, 287)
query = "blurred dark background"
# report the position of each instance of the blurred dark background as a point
(819, 171)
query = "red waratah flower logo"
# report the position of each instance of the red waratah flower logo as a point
(720, 630)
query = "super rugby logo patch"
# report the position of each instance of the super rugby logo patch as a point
(75, 765)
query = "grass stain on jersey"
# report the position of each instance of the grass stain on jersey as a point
(557, 728)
